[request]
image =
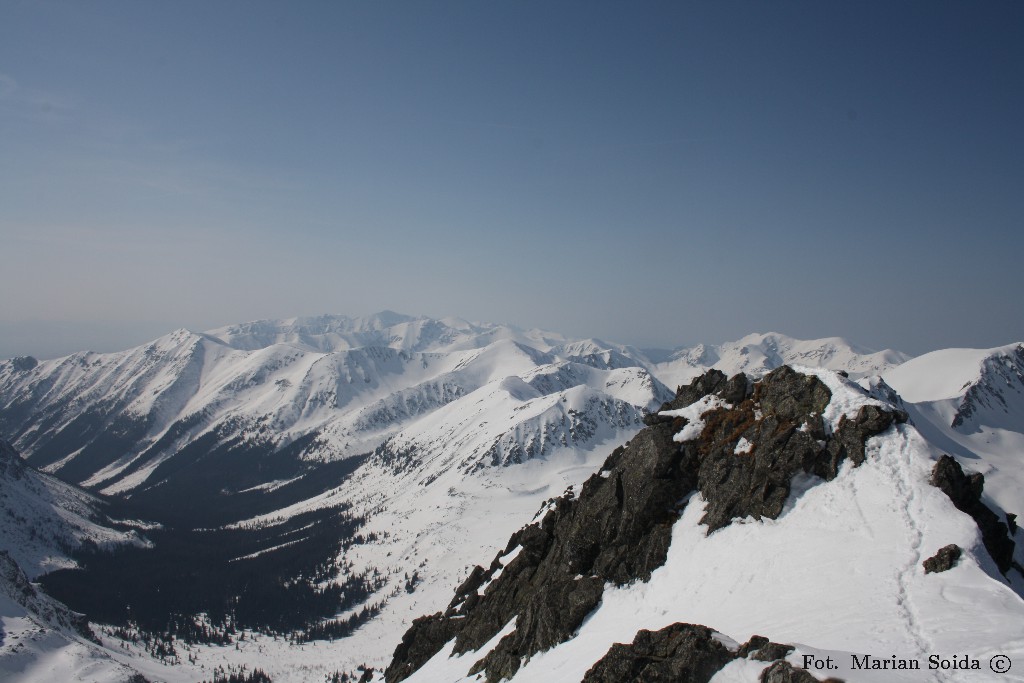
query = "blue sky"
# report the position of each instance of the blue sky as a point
(651, 173)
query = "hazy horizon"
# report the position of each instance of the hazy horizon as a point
(656, 175)
(107, 338)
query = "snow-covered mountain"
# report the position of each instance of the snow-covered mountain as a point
(117, 422)
(390, 454)
(757, 354)
(112, 422)
(806, 508)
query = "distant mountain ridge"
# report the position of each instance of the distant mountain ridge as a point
(111, 421)
(997, 392)
(758, 354)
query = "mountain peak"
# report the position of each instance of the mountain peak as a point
(388, 318)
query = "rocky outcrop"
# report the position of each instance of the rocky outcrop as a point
(418, 645)
(617, 530)
(763, 650)
(782, 423)
(680, 653)
(965, 492)
(944, 560)
(756, 484)
(24, 363)
(689, 653)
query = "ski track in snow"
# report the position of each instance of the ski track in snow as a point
(909, 509)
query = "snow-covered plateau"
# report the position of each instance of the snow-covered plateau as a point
(358, 468)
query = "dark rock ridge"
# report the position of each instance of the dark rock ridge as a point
(965, 492)
(619, 527)
(763, 650)
(944, 560)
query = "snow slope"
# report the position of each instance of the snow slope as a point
(39, 641)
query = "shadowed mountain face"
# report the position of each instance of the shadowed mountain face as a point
(996, 397)
(43, 520)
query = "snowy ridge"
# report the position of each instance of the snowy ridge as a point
(796, 586)
(873, 611)
(757, 354)
(994, 399)
(111, 421)
(519, 423)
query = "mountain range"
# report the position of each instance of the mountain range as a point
(360, 467)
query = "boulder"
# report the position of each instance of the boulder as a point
(944, 560)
